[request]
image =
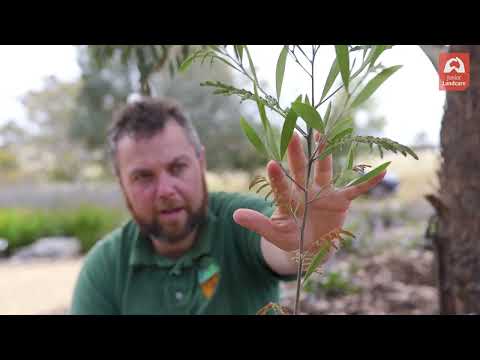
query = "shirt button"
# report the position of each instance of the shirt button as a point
(178, 295)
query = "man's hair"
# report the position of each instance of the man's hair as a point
(144, 118)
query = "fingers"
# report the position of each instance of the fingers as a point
(323, 168)
(355, 191)
(280, 186)
(297, 161)
(254, 221)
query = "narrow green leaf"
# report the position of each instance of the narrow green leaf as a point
(261, 110)
(377, 51)
(272, 143)
(188, 62)
(311, 116)
(213, 47)
(326, 117)
(252, 66)
(327, 151)
(343, 63)
(239, 52)
(365, 49)
(370, 174)
(333, 146)
(380, 151)
(252, 136)
(317, 260)
(341, 135)
(339, 126)
(411, 152)
(287, 131)
(307, 100)
(351, 155)
(346, 176)
(225, 61)
(374, 84)
(282, 60)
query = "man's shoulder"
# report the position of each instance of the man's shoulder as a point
(114, 245)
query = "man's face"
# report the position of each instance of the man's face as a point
(163, 181)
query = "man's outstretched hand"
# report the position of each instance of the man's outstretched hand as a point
(324, 214)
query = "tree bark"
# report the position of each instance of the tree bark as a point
(457, 240)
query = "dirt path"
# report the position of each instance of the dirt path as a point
(39, 287)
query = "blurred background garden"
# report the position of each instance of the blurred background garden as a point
(58, 195)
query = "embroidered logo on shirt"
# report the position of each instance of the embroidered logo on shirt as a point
(208, 279)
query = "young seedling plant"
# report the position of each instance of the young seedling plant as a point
(324, 133)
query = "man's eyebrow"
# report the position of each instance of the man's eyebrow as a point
(140, 170)
(179, 158)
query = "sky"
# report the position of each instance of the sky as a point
(410, 100)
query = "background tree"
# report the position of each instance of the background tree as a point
(50, 112)
(215, 117)
(455, 229)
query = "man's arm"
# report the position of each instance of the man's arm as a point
(93, 293)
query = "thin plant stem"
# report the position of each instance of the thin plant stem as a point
(305, 213)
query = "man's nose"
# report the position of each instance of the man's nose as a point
(165, 187)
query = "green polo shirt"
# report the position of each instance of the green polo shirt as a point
(123, 275)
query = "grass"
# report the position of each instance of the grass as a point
(22, 227)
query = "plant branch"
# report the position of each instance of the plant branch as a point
(303, 52)
(305, 213)
(288, 176)
(298, 62)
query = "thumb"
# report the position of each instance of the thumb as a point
(254, 221)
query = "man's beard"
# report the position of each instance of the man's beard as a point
(154, 230)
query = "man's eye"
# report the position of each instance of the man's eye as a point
(177, 168)
(142, 177)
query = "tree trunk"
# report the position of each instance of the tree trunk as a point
(457, 240)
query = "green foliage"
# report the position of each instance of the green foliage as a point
(332, 75)
(311, 116)
(8, 160)
(370, 175)
(21, 227)
(336, 284)
(318, 259)
(252, 136)
(343, 63)
(102, 90)
(228, 90)
(336, 128)
(383, 144)
(374, 84)
(282, 59)
(264, 184)
(149, 59)
(287, 131)
(216, 118)
(52, 109)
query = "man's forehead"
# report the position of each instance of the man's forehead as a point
(154, 150)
